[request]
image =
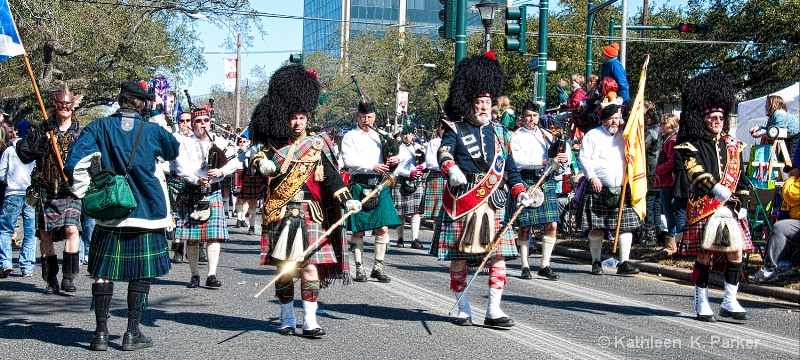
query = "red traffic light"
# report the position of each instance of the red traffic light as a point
(692, 28)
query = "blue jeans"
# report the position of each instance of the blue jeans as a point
(87, 228)
(675, 211)
(13, 206)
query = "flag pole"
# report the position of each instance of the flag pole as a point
(35, 87)
(621, 207)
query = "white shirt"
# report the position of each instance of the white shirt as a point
(530, 147)
(13, 172)
(432, 154)
(602, 156)
(193, 156)
(407, 160)
(361, 150)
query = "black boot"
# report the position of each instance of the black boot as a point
(177, 258)
(134, 339)
(101, 302)
(50, 274)
(70, 268)
(378, 273)
(203, 258)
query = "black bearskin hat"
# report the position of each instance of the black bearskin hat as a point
(292, 88)
(366, 107)
(474, 76)
(699, 94)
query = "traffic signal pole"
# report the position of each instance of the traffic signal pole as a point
(544, 14)
(461, 30)
(589, 28)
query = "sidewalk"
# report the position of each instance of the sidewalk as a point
(678, 273)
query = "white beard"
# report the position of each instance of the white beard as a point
(612, 130)
(481, 119)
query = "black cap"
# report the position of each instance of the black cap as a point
(133, 89)
(366, 108)
(609, 111)
(530, 106)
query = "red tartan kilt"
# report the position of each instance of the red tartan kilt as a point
(691, 242)
(324, 254)
(253, 187)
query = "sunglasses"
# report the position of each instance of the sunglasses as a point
(715, 119)
(202, 120)
(185, 120)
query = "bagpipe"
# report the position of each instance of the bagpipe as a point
(216, 157)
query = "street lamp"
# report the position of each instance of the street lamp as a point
(486, 8)
(199, 16)
(397, 85)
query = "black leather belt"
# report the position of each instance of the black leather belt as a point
(532, 172)
(216, 186)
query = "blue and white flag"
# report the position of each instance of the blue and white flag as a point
(10, 45)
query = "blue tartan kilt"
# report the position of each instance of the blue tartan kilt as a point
(384, 214)
(432, 200)
(692, 239)
(547, 213)
(444, 245)
(595, 215)
(126, 253)
(214, 229)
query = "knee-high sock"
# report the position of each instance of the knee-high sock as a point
(497, 281)
(193, 255)
(700, 274)
(458, 275)
(284, 289)
(358, 249)
(625, 241)
(595, 246)
(400, 230)
(548, 243)
(241, 209)
(101, 302)
(381, 242)
(137, 302)
(213, 257)
(415, 220)
(253, 215)
(524, 251)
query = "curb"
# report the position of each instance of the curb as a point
(678, 273)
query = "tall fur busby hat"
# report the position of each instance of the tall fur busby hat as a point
(704, 93)
(292, 88)
(475, 76)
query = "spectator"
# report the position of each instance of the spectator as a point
(779, 117)
(613, 68)
(785, 235)
(505, 113)
(673, 203)
(16, 176)
(561, 92)
(652, 145)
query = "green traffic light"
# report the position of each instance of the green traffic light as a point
(516, 23)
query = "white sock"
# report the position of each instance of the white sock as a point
(625, 241)
(310, 315)
(213, 257)
(287, 316)
(494, 312)
(464, 310)
(524, 251)
(380, 246)
(595, 246)
(241, 208)
(415, 220)
(548, 243)
(358, 250)
(193, 255)
(400, 231)
(253, 216)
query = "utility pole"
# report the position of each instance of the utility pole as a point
(461, 30)
(544, 14)
(589, 28)
(238, 76)
(645, 15)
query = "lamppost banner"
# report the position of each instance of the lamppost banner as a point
(402, 102)
(230, 75)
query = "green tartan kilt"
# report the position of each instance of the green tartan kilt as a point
(432, 201)
(54, 213)
(384, 214)
(126, 253)
(444, 245)
(547, 213)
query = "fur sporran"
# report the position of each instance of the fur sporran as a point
(408, 186)
(479, 229)
(723, 232)
(292, 237)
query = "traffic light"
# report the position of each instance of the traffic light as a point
(515, 28)
(296, 58)
(448, 17)
(692, 28)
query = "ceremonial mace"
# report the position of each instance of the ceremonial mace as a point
(290, 265)
(551, 165)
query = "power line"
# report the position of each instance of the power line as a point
(251, 52)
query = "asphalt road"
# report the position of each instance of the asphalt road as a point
(578, 317)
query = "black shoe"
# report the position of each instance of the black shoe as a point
(377, 273)
(526, 273)
(4, 274)
(463, 321)
(597, 268)
(416, 244)
(361, 275)
(400, 243)
(547, 272)
(625, 268)
(314, 332)
(52, 287)
(735, 315)
(194, 282)
(130, 342)
(238, 224)
(251, 231)
(68, 286)
(286, 331)
(99, 342)
(203, 258)
(706, 318)
(177, 258)
(499, 322)
(213, 282)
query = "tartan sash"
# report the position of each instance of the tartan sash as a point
(307, 153)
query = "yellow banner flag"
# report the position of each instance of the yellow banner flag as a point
(634, 149)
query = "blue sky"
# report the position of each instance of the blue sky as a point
(283, 34)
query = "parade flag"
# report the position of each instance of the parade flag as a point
(230, 75)
(634, 149)
(10, 45)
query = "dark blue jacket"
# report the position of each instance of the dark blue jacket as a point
(614, 69)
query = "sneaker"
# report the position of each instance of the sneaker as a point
(761, 277)
(547, 273)
(213, 282)
(625, 268)
(4, 274)
(525, 273)
(416, 244)
(597, 268)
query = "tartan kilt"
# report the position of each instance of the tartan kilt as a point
(253, 187)
(407, 204)
(444, 245)
(691, 242)
(175, 187)
(55, 213)
(595, 215)
(384, 214)
(227, 183)
(272, 231)
(432, 199)
(126, 253)
(214, 229)
(547, 213)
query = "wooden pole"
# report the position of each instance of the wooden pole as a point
(621, 207)
(50, 134)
